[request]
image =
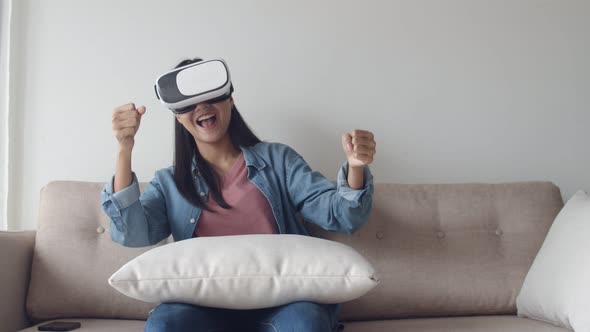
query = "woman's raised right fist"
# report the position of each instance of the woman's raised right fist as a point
(126, 119)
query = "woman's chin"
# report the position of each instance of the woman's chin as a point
(210, 138)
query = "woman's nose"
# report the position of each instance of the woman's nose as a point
(202, 106)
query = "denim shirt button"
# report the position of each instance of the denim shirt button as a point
(192, 220)
(202, 194)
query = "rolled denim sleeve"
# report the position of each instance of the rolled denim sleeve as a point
(357, 196)
(137, 220)
(335, 208)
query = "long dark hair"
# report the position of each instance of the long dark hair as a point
(185, 149)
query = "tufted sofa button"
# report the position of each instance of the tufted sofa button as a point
(100, 230)
(499, 232)
(440, 235)
(380, 235)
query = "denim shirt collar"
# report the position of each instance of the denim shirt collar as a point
(250, 157)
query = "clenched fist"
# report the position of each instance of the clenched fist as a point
(126, 120)
(359, 146)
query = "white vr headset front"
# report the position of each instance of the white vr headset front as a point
(184, 87)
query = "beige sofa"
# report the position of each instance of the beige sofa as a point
(452, 257)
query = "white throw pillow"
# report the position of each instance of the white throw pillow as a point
(557, 286)
(247, 272)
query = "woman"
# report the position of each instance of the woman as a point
(225, 181)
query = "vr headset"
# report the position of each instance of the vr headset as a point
(183, 88)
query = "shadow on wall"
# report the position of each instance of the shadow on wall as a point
(18, 103)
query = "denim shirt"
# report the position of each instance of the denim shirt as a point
(278, 171)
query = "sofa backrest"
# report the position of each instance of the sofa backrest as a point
(450, 249)
(446, 249)
(74, 257)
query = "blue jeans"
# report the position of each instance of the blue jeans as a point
(293, 317)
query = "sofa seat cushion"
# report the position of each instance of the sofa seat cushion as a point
(455, 324)
(447, 324)
(99, 325)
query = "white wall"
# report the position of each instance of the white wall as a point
(455, 91)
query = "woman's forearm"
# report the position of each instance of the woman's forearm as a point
(123, 176)
(356, 177)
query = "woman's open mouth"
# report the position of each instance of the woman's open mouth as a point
(207, 121)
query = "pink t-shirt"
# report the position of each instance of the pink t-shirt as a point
(250, 213)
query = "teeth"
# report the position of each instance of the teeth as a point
(205, 117)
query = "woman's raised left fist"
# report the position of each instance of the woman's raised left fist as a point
(359, 146)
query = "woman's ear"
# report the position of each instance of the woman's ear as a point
(231, 101)
(177, 117)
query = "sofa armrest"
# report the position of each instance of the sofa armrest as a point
(16, 254)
